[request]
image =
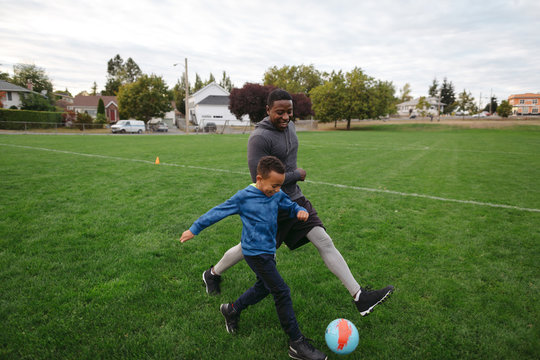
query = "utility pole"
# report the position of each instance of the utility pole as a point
(187, 101)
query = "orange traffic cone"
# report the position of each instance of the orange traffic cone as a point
(157, 160)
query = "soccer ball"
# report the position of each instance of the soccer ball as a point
(341, 336)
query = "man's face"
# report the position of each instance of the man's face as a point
(280, 113)
(270, 185)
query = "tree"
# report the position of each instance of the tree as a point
(198, 83)
(328, 98)
(354, 95)
(94, 89)
(448, 96)
(301, 106)
(405, 93)
(144, 99)
(504, 109)
(2, 95)
(120, 73)
(249, 100)
(179, 94)
(493, 108)
(465, 103)
(423, 106)
(101, 107)
(36, 102)
(294, 79)
(434, 89)
(226, 82)
(23, 74)
(5, 76)
(210, 80)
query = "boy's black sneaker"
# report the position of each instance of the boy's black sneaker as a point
(211, 282)
(302, 349)
(369, 299)
(231, 317)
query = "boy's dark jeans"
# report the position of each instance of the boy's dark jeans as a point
(269, 281)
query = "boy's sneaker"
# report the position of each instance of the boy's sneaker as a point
(369, 299)
(211, 282)
(231, 317)
(302, 349)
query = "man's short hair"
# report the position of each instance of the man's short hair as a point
(267, 164)
(276, 95)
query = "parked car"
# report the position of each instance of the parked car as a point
(128, 126)
(158, 126)
(479, 115)
(210, 127)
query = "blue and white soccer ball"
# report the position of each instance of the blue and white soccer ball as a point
(341, 336)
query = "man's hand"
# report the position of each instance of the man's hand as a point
(302, 174)
(187, 235)
(302, 215)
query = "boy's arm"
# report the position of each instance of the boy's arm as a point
(229, 207)
(292, 208)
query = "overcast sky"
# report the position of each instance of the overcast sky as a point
(481, 46)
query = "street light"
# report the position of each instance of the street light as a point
(187, 94)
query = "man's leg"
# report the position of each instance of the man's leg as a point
(364, 300)
(212, 276)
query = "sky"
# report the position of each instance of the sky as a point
(483, 47)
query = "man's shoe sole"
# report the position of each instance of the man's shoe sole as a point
(370, 310)
(292, 355)
(230, 331)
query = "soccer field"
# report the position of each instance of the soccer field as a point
(91, 266)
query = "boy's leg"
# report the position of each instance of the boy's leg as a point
(265, 268)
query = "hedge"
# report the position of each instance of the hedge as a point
(15, 119)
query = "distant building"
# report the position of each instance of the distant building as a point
(524, 104)
(409, 107)
(89, 104)
(211, 104)
(14, 94)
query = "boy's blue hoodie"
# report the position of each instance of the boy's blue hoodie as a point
(259, 218)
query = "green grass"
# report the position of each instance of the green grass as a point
(91, 266)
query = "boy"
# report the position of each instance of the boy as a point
(258, 206)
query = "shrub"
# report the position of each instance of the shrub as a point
(15, 119)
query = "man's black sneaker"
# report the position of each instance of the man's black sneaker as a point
(369, 299)
(231, 317)
(302, 349)
(211, 282)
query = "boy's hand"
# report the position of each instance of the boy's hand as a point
(302, 215)
(187, 235)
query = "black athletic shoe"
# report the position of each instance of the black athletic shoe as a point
(369, 299)
(302, 349)
(211, 282)
(231, 317)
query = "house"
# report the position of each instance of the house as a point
(14, 94)
(89, 104)
(524, 104)
(408, 108)
(211, 104)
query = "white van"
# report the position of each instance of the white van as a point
(128, 126)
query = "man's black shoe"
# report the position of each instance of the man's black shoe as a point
(231, 317)
(302, 349)
(211, 282)
(369, 299)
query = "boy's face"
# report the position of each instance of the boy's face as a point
(272, 184)
(280, 113)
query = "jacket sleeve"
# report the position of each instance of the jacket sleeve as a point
(220, 212)
(285, 203)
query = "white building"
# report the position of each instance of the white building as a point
(409, 107)
(14, 95)
(211, 104)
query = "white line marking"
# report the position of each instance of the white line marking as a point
(431, 197)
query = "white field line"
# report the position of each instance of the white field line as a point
(350, 187)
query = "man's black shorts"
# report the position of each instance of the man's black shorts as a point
(293, 232)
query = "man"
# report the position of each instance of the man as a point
(275, 135)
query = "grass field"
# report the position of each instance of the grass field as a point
(91, 266)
